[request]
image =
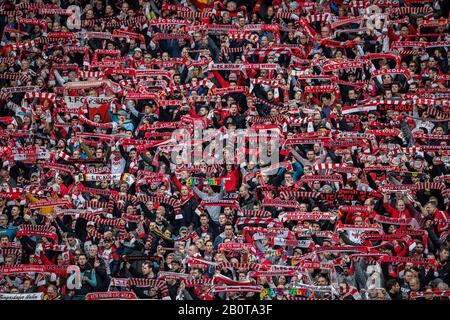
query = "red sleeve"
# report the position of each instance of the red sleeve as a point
(315, 100)
(197, 198)
(392, 212)
(192, 113)
(74, 92)
(224, 113)
(443, 219)
(231, 184)
(63, 190)
(223, 83)
(349, 218)
(351, 269)
(411, 29)
(241, 80)
(132, 64)
(236, 174)
(391, 34)
(71, 258)
(45, 260)
(63, 132)
(234, 179)
(401, 250)
(251, 74)
(177, 182)
(247, 236)
(408, 214)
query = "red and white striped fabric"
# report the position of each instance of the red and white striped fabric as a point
(324, 17)
(238, 35)
(269, 222)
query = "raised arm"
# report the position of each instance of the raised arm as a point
(202, 195)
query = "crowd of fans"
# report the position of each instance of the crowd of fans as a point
(95, 206)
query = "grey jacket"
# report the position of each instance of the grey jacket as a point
(212, 211)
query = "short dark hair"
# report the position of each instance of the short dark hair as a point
(229, 224)
(147, 263)
(391, 283)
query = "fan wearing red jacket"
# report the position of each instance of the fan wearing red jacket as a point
(441, 217)
(231, 177)
(399, 211)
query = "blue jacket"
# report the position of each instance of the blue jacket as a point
(10, 231)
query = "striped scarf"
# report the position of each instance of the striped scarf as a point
(255, 213)
(23, 78)
(243, 35)
(175, 203)
(286, 194)
(37, 230)
(269, 222)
